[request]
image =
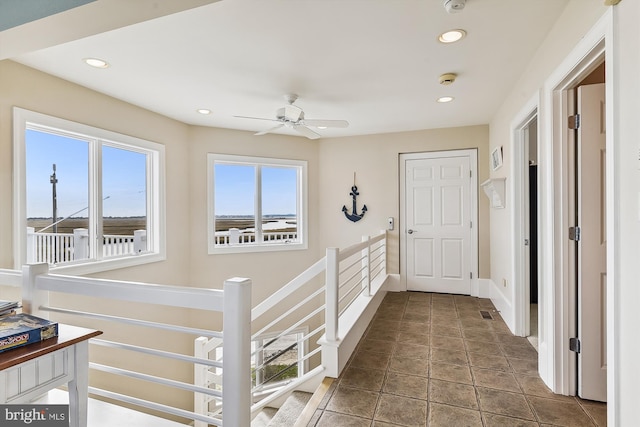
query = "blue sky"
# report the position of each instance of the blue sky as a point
(235, 190)
(123, 177)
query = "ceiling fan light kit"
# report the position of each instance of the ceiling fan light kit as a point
(292, 117)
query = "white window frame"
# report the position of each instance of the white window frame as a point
(301, 203)
(156, 247)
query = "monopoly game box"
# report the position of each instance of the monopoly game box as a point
(22, 329)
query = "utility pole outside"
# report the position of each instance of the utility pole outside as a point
(54, 198)
(53, 180)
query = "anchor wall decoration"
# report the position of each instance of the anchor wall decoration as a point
(354, 216)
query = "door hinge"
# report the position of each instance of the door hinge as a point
(574, 233)
(470, 174)
(470, 224)
(471, 275)
(574, 344)
(574, 122)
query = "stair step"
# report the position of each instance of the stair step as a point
(290, 410)
(264, 417)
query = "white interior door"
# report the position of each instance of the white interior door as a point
(592, 247)
(437, 223)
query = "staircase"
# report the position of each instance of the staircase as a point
(288, 413)
(296, 411)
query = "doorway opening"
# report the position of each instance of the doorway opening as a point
(588, 207)
(531, 148)
(526, 224)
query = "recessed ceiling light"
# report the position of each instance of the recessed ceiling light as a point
(203, 111)
(96, 62)
(444, 99)
(452, 36)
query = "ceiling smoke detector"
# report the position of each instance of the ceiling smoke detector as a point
(454, 6)
(447, 79)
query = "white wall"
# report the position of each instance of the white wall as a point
(623, 361)
(624, 269)
(577, 19)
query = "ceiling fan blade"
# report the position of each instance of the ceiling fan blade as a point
(307, 132)
(256, 118)
(326, 123)
(268, 130)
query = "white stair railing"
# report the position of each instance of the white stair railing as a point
(341, 298)
(350, 275)
(38, 284)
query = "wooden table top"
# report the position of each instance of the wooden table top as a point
(67, 336)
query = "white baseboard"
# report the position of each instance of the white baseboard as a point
(393, 284)
(502, 304)
(484, 288)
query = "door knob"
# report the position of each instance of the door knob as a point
(410, 231)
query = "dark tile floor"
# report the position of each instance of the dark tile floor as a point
(432, 360)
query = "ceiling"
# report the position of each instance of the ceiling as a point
(374, 63)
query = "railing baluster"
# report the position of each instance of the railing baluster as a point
(366, 267)
(331, 295)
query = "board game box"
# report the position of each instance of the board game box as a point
(22, 329)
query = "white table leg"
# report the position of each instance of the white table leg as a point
(78, 387)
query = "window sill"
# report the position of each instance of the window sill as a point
(90, 267)
(248, 248)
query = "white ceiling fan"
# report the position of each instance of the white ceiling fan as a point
(292, 117)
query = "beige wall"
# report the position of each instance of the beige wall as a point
(331, 164)
(27, 88)
(374, 159)
(30, 89)
(268, 270)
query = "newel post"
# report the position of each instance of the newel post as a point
(236, 362)
(139, 241)
(80, 243)
(32, 297)
(31, 245)
(234, 236)
(332, 295)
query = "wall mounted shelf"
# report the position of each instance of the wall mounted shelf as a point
(494, 189)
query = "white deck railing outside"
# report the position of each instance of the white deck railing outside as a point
(235, 237)
(60, 248)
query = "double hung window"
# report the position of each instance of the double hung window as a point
(256, 204)
(84, 196)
